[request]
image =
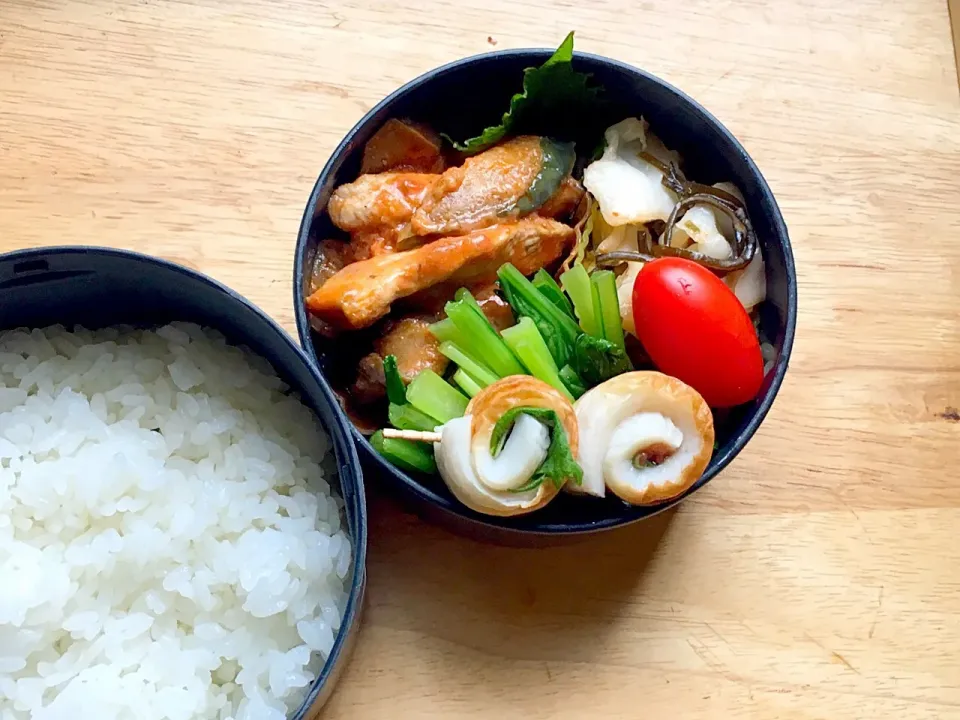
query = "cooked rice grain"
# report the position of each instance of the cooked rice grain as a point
(170, 547)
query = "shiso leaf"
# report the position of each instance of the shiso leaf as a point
(554, 87)
(559, 465)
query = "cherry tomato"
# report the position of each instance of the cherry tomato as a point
(694, 328)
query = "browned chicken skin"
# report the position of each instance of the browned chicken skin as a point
(363, 292)
(481, 192)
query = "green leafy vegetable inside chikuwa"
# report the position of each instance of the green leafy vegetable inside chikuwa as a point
(559, 466)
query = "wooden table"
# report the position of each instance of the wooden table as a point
(818, 577)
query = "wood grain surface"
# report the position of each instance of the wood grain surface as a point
(819, 576)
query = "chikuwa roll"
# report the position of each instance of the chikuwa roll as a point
(513, 450)
(645, 436)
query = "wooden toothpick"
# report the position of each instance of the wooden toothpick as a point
(418, 435)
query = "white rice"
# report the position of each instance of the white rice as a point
(161, 555)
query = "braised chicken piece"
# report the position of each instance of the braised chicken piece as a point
(497, 310)
(371, 383)
(414, 346)
(373, 202)
(408, 339)
(331, 257)
(363, 292)
(564, 201)
(388, 212)
(403, 145)
(507, 181)
(382, 242)
(411, 342)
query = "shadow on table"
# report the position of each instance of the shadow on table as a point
(555, 603)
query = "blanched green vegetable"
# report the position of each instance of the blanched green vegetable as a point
(573, 381)
(478, 371)
(605, 283)
(527, 343)
(446, 331)
(405, 454)
(466, 383)
(429, 394)
(479, 338)
(396, 390)
(545, 283)
(464, 294)
(576, 281)
(407, 417)
(598, 359)
(557, 329)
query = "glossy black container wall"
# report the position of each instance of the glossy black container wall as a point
(461, 99)
(98, 287)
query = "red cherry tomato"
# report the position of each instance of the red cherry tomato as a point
(694, 328)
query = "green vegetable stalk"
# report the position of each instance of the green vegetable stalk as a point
(605, 283)
(396, 391)
(576, 281)
(407, 417)
(480, 373)
(464, 294)
(446, 331)
(466, 383)
(559, 465)
(557, 329)
(524, 339)
(548, 287)
(429, 394)
(479, 338)
(407, 455)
